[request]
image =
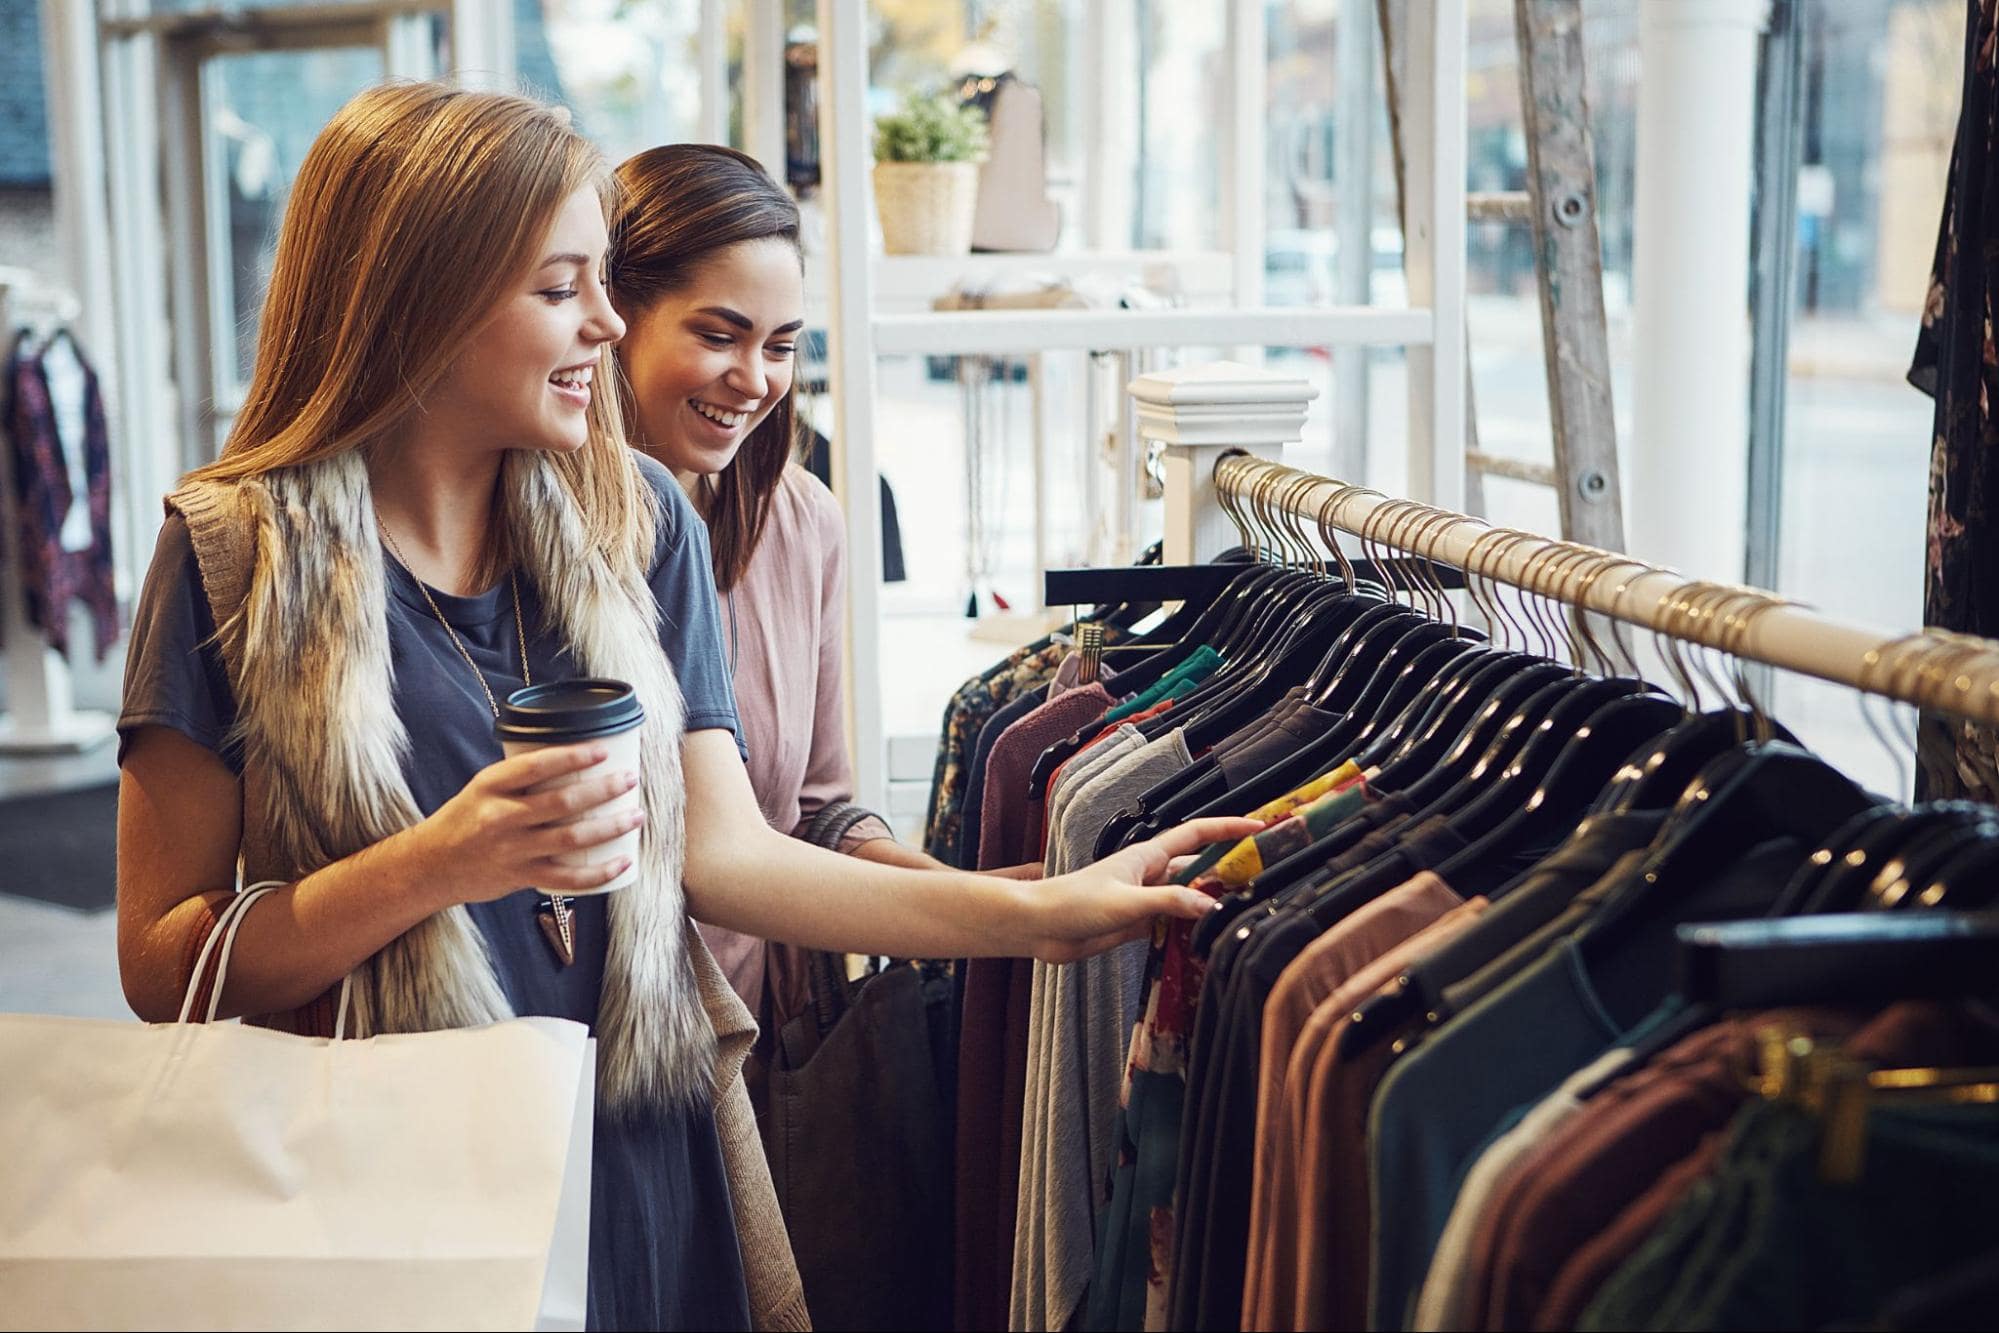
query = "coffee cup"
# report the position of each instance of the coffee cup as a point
(571, 712)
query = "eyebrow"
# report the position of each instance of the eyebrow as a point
(743, 322)
(572, 258)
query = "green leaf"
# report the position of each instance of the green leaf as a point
(933, 128)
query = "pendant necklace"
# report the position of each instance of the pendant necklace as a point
(555, 914)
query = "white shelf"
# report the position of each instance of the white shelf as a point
(996, 332)
(907, 284)
(922, 277)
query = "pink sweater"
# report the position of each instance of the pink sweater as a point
(784, 627)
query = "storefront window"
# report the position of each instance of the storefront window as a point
(627, 70)
(1880, 111)
(260, 114)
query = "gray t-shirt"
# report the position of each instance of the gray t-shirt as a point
(1081, 1021)
(662, 1244)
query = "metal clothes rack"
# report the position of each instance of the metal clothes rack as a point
(1948, 673)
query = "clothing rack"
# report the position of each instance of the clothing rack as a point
(41, 716)
(1942, 672)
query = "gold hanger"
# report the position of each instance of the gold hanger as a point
(1476, 586)
(1294, 498)
(1666, 640)
(1230, 478)
(1430, 532)
(1502, 549)
(1601, 563)
(1888, 661)
(1329, 535)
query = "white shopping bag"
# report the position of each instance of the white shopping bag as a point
(212, 1175)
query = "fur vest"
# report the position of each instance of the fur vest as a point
(292, 566)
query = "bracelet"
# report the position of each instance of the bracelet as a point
(834, 822)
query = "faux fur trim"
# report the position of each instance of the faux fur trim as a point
(308, 645)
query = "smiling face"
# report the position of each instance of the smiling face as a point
(708, 361)
(524, 380)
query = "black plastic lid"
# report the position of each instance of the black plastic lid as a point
(564, 711)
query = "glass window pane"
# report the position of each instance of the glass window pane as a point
(260, 114)
(1878, 126)
(629, 72)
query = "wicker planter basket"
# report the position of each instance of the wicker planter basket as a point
(926, 207)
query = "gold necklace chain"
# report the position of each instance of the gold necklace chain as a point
(520, 626)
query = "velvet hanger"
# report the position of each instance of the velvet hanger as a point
(1584, 764)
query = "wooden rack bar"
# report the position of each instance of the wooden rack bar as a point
(1943, 672)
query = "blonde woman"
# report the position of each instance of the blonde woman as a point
(426, 502)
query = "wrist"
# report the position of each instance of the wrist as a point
(426, 877)
(1019, 915)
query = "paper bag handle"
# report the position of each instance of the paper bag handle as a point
(226, 925)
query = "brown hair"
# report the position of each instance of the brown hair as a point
(416, 209)
(680, 204)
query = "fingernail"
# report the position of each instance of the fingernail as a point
(599, 753)
(631, 779)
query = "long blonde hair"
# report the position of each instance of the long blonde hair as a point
(418, 207)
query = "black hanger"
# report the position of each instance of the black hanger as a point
(1845, 959)
(1478, 808)
(1771, 791)
(1804, 883)
(1452, 714)
(1858, 958)
(1301, 632)
(1458, 787)
(1148, 673)
(1421, 692)
(1906, 875)
(1969, 881)
(1585, 762)
(1656, 778)
(1420, 664)
(1843, 887)
(1386, 669)
(1367, 636)
(1384, 645)
(1365, 611)
(1505, 744)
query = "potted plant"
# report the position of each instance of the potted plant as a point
(926, 175)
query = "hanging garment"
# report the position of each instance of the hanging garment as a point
(859, 1138)
(1956, 364)
(55, 394)
(1428, 1053)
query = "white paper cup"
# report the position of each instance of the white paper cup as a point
(573, 712)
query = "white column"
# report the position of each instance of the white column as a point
(482, 44)
(763, 84)
(147, 447)
(711, 52)
(1109, 122)
(1688, 473)
(845, 165)
(1353, 221)
(1244, 152)
(1433, 230)
(1200, 413)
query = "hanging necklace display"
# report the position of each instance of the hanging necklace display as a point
(555, 914)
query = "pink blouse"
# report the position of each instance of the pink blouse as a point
(783, 629)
